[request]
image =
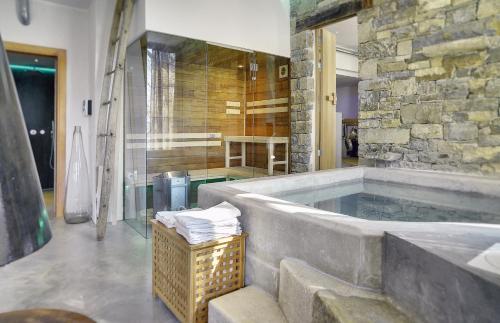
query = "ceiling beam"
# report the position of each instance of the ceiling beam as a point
(333, 14)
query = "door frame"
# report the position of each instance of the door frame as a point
(60, 113)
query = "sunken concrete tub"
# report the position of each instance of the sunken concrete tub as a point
(281, 224)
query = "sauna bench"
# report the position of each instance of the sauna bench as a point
(270, 142)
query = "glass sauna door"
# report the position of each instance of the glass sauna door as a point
(228, 91)
(165, 124)
(177, 131)
(248, 107)
(268, 115)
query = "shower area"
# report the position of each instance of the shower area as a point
(35, 79)
(199, 112)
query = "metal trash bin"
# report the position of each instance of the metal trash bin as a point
(171, 191)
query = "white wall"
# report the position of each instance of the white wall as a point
(61, 27)
(261, 25)
(347, 101)
(347, 64)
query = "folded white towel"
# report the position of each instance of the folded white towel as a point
(221, 212)
(216, 222)
(221, 224)
(184, 232)
(199, 238)
(228, 229)
(168, 217)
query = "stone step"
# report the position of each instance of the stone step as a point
(432, 276)
(299, 282)
(247, 305)
(309, 295)
(329, 307)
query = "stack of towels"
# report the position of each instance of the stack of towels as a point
(198, 226)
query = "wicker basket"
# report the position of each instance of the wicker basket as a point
(186, 277)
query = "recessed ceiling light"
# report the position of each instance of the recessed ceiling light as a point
(36, 60)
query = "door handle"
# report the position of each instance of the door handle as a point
(332, 98)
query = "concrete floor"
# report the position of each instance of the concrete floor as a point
(109, 281)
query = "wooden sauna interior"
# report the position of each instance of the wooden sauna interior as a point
(199, 93)
(184, 98)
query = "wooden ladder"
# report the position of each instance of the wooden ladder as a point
(108, 109)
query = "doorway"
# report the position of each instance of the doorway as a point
(39, 74)
(337, 95)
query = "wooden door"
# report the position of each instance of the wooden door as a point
(326, 100)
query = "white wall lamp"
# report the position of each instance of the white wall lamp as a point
(23, 11)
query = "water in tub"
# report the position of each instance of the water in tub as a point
(384, 201)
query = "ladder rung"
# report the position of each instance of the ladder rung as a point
(114, 70)
(106, 103)
(106, 134)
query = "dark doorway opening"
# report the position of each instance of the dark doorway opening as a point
(35, 82)
(346, 77)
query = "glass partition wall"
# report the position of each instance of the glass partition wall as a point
(212, 112)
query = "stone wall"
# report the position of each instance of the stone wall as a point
(302, 97)
(302, 79)
(430, 89)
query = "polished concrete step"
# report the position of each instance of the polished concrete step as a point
(300, 282)
(439, 277)
(247, 305)
(330, 307)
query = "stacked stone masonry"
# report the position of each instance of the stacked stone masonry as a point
(302, 96)
(430, 84)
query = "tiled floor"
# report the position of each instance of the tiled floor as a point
(110, 281)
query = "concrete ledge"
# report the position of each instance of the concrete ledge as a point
(435, 289)
(261, 273)
(276, 184)
(279, 229)
(448, 181)
(247, 305)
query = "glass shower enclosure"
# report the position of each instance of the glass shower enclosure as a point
(212, 112)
